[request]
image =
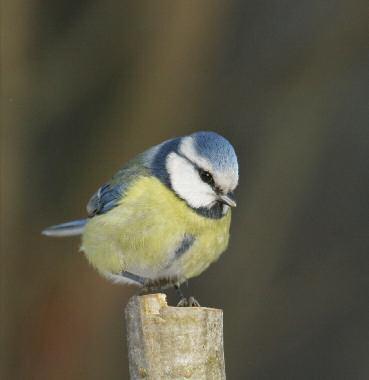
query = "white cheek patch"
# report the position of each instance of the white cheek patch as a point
(187, 184)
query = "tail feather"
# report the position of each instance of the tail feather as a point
(73, 228)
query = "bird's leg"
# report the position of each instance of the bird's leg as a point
(184, 301)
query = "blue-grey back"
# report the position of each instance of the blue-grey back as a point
(150, 162)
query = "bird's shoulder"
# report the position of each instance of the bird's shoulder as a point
(109, 194)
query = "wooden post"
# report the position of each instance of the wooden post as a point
(173, 342)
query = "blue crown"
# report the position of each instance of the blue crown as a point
(216, 149)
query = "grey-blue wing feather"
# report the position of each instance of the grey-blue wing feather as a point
(104, 199)
(109, 194)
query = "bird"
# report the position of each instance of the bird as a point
(164, 217)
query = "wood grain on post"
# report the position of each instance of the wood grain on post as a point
(173, 342)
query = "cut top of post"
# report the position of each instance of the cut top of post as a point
(173, 342)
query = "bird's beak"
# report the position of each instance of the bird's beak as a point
(226, 199)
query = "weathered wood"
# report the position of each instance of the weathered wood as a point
(173, 342)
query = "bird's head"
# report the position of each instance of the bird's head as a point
(202, 169)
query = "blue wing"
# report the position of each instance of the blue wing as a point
(109, 194)
(150, 162)
(104, 199)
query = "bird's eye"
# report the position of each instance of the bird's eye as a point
(206, 177)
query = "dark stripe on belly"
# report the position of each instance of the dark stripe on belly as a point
(185, 245)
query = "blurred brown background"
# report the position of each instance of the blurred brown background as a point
(88, 84)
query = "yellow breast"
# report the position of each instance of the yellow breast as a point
(141, 234)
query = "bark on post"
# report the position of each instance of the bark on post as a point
(173, 342)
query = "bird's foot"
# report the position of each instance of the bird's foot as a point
(188, 302)
(193, 302)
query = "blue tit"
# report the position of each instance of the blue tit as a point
(165, 216)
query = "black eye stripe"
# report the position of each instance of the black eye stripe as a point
(206, 177)
(204, 174)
